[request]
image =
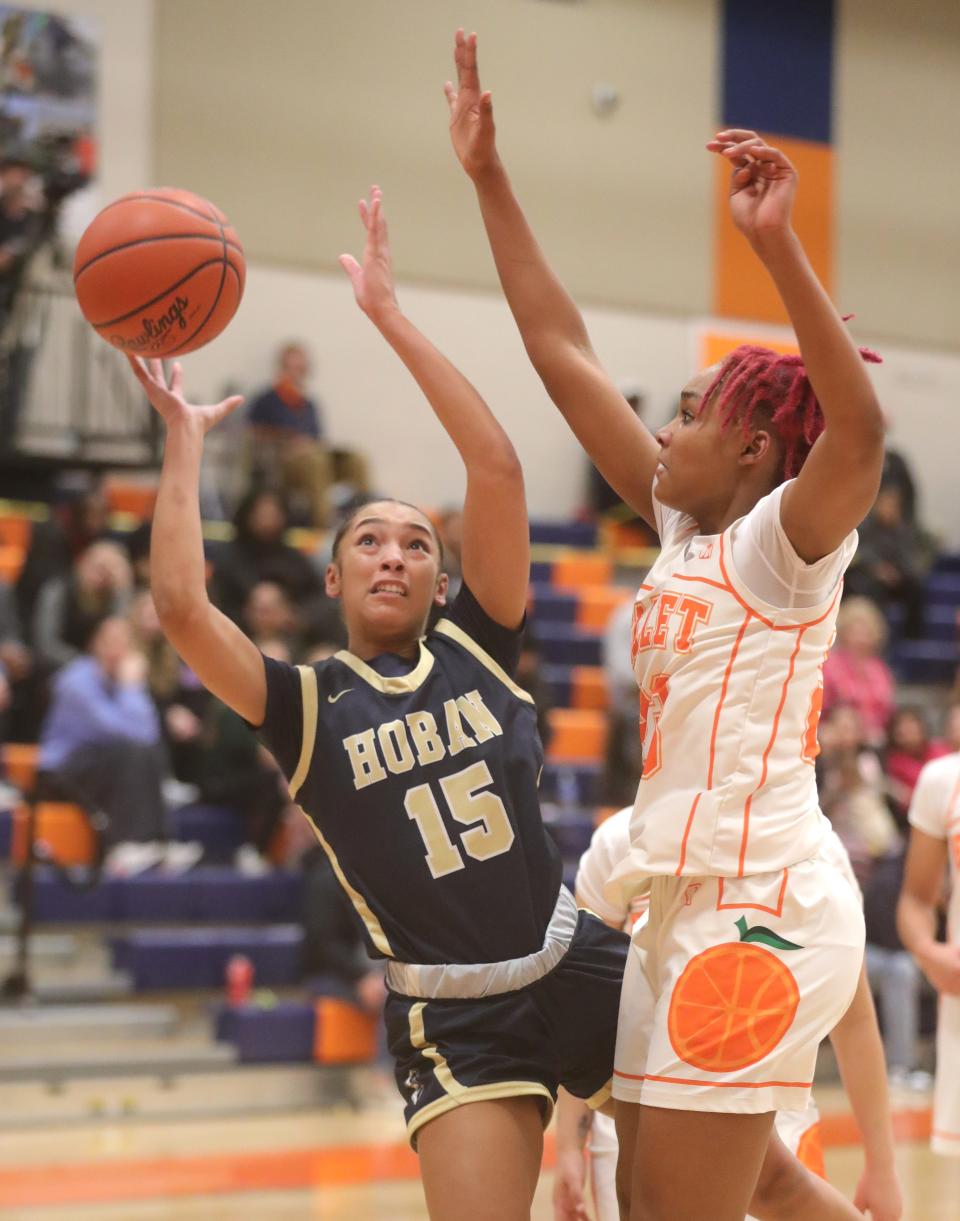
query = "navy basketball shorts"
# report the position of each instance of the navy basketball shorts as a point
(559, 1030)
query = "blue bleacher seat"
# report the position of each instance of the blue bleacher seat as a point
(540, 572)
(943, 587)
(219, 828)
(561, 644)
(553, 605)
(217, 894)
(197, 957)
(283, 1032)
(572, 831)
(925, 661)
(6, 834)
(57, 903)
(560, 681)
(564, 533)
(586, 774)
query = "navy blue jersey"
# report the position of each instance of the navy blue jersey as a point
(421, 782)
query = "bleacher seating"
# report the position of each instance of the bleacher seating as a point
(164, 959)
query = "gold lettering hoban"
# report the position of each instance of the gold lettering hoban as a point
(393, 747)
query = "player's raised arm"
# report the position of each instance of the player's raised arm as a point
(496, 535)
(550, 324)
(222, 657)
(838, 483)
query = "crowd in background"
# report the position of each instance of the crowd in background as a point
(126, 730)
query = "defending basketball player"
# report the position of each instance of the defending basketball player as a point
(416, 757)
(856, 1043)
(753, 948)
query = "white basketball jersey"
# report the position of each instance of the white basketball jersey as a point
(730, 696)
(935, 810)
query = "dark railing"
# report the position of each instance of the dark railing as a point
(65, 395)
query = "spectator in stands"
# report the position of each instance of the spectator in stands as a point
(851, 787)
(909, 748)
(530, 678)
(332, 941)
(257, 553)
(268, 615)
(20, 694)
(450, 528)
(855, 672)
(100, 584)
(603, 503)
(623, 763)
(893, 974)
(291, 449)
(101, 746)
(951, 725)
(79, 520)
(22, 224)
(893, 557)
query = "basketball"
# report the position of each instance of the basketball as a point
(159, 272)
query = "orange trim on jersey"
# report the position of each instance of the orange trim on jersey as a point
(940, 1135)
(713, 744)
(760, 907)
(766, 753)
(680, 576)
(720, 1085)
(784, 627)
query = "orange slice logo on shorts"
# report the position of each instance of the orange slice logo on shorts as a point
(810, 1151)
(734, 1002)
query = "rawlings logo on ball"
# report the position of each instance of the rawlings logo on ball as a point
(155, 329)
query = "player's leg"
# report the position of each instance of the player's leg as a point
(787, 1191)
(688, 1165)
(481, 1162)
(603, 1150)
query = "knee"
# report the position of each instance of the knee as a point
(781, 1180)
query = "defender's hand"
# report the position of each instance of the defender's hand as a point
(471, 111)
(372, 280)
(167, 397)
(763, 184)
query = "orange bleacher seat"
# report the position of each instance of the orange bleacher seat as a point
(577, 734)
(588, 688)
(20, 764)
(137, 499)
(62, 826)
(344, 1033)
(579, 569)
(597, 603)
(12, 557)
(15, 531)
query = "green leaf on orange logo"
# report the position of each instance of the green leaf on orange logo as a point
(764, 935)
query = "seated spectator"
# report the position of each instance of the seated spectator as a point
(851, 790)
(893, 974)
(623, 763)
(257, 553)
(855, 672)
(268, 616)
(100, 584)
(892, 560)
(909, 748)
(20, 692)
(332, 940)
(449, 525)
(291, 449)
(100, 746)
(605, 504)
(77, 521)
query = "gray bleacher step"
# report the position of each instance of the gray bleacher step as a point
(247, 1090)
(42, 1024)
(100, 987)
(71, 1064)
(51, 947)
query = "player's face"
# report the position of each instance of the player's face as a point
(697, 456)
(387, 575)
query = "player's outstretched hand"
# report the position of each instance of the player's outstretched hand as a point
(372, 279)
(167, 397)
(763, 183)
(471, 111)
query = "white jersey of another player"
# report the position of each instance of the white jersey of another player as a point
(730, 633)
(935, 810)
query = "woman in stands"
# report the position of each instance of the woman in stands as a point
(753, 945)
(417, 759)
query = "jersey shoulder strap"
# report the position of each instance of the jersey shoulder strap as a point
(309, 692)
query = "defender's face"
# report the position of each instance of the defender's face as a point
(695, 453)
(387, 574)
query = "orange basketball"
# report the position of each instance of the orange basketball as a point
(159, 273)
(731, 1007)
